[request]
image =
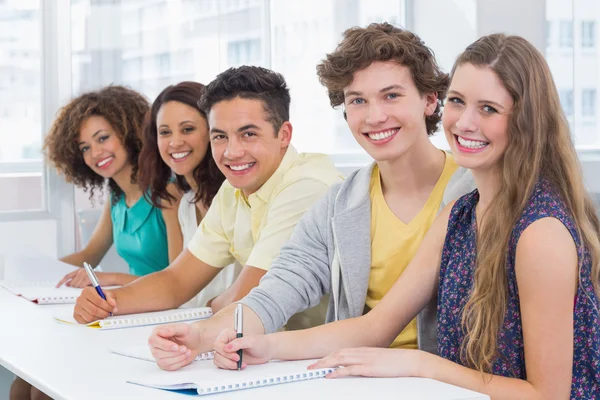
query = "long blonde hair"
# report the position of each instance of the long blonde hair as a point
(540, 146)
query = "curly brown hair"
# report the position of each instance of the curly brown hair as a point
(383, 42)
(155, 174)
(123, 108)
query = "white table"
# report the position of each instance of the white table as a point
(69, 362)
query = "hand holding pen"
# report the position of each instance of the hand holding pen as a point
(257, 349)
(95, 282)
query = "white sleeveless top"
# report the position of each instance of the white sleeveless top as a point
(187, 220)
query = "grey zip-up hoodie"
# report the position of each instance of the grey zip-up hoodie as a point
(329, 252)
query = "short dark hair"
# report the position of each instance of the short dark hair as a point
(155, 175)
(251, 82)
(360, 47)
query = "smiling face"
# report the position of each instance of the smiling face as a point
(385, 111)
(101, 147)
(476, 117)
(244, 143)
(182, 136)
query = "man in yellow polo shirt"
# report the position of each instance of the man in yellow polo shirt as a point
(269, 187)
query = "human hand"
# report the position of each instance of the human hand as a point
(372, 362)
(79, 279)
(91, 307)
(174, 346)
(256, 350)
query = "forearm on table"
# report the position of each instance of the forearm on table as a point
(322, 340)
(154, 292)
(122, 279)
(76, 259)
(498, 387)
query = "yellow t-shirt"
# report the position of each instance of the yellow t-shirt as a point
(394, 243)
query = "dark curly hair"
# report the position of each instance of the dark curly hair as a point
(123, 108)
(154, 174)
(383, 42)
(251, 82)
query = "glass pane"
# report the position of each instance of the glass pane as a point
(572, 52)
(148, 45)
(587, 77)
(21, 167)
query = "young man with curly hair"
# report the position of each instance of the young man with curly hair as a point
(269, 186)
(357, 240)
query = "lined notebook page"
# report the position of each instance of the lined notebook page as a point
(206, 378)
(143, 319)
(143, 352)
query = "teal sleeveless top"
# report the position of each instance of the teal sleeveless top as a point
(140, 236)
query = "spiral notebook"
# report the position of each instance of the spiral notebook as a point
(34, 278)
(46, 295)
(205, 378)
(144, 353)
(143, 319)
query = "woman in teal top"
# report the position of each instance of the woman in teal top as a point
(139, 234)
(96, 139)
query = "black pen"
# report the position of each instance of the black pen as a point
(238, 324)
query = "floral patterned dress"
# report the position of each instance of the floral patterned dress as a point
(456, 282)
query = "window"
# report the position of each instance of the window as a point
(566, 33)
(588, 102)
(21, 166)
(169, 41)
(588, 34)
(243, 52)
(566, 101)
(549, 26)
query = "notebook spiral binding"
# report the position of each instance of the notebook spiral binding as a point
(155, 320)
(266, 381)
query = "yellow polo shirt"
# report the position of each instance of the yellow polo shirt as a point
(394, 243)
(252, 230)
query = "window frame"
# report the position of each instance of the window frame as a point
(55, 75)
(56, 90)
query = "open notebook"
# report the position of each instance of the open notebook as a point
(34, 277)
(144, 319)
(144, 353)
(206, 378)
(48, 295)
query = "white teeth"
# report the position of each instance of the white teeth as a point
(103, 162)
(382, 135)
(471, 144)
(241, 167)
(178, 156)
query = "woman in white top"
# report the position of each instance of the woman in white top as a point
(176, 141)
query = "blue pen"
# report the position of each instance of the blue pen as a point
(94, 280)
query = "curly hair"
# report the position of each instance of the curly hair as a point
(251, 82)
(383, 42)
(123, 108)
(155, 174)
